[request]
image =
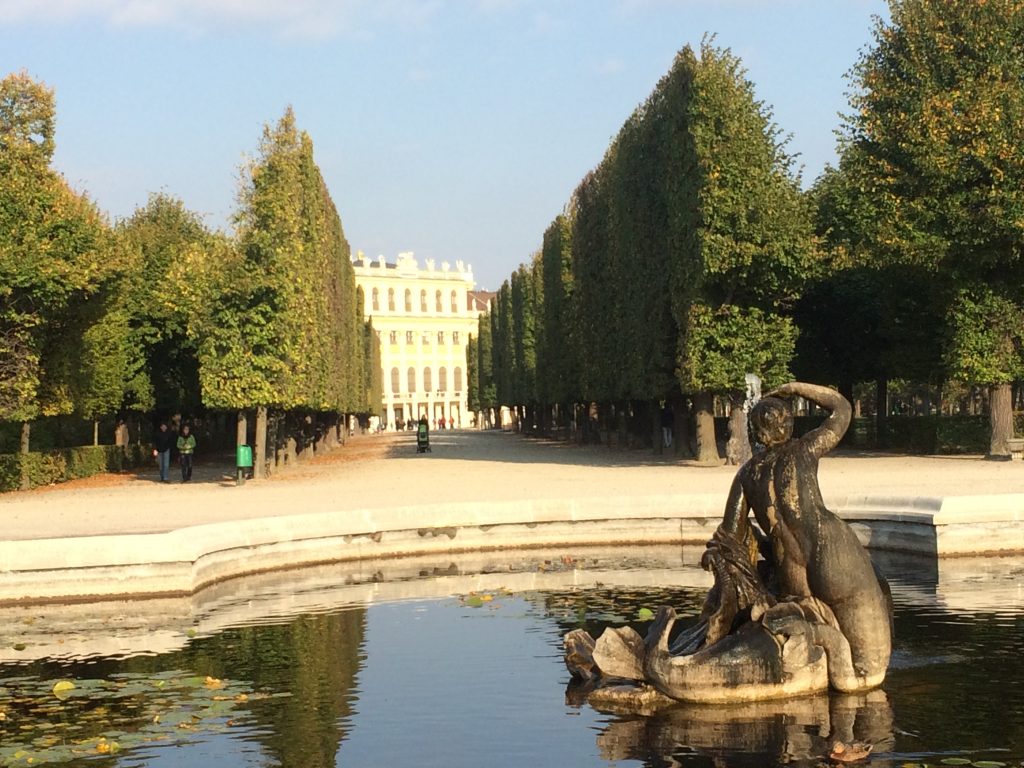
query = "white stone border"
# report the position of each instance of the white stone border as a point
(182, 561)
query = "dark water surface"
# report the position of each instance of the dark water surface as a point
(459, 663)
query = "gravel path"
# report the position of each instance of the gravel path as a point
(385, 471)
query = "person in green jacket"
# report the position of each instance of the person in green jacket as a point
(186, 447)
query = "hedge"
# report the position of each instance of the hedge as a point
(918, 435)
(66, 464)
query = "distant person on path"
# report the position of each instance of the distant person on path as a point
(186, 447)
(163, 441)
(422, 435)
(667, 419)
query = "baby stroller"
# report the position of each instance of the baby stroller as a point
(423, 438)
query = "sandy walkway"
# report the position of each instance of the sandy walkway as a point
(385, 471)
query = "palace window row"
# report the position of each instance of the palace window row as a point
(375, 301)
(426, 379)
(410, 337)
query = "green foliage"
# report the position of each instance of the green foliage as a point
(986, 337)
(56, 254)
(724, 344)
(594, 297)
(373, 375)
(693, 220)
(26, 119)
(276, 319)
(47, 468)
(524, 300)
(473, 374)
(487, 390)
(556, 367)
(754, 236)
(932, 172)
(157, 238)
(937, 118)
(234, 328)
(503, 346)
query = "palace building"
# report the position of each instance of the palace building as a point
(423, 318)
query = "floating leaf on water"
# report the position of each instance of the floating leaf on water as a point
(955, 761)
(644, 614)
(988, 764)
(62, 689)
(19, 646)
(473, 601)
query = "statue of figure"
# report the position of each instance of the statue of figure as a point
(811, 613)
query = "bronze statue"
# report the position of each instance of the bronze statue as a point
(796, 607)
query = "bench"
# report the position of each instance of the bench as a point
(1016, 448)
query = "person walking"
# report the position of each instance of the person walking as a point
(667, 422)
(186, 447)
(163, 441)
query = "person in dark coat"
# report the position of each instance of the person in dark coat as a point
(163, 441)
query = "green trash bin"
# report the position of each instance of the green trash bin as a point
(244, 456)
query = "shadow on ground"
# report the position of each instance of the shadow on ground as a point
(511, 447)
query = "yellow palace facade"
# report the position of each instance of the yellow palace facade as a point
(423, 318)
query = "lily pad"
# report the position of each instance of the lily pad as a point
(62, 689)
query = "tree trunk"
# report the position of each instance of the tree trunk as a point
(26, 433)
(707, 447)
(846, 390)
(95, 431)
(1000, 408)
(259, 464)
(738, 448)
(882, 412)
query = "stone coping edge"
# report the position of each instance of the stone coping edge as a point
(183, 560)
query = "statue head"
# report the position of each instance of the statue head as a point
(771, 422)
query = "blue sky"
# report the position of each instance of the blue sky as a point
(457, 129)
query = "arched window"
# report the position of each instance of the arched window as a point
(427, 382)
(408, 300)
(376, 300)
(423, 301)
(391, 299)
(458, 379)
(439, 303)
(455, 302)
(442, 379)
(395, 381)
(412, 380)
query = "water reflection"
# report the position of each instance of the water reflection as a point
(794, 731)
(458, 662)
